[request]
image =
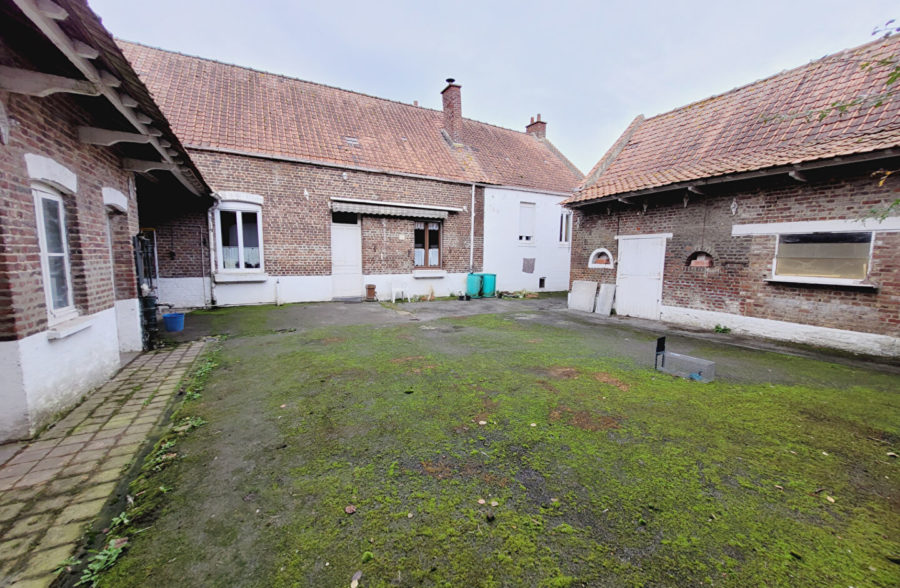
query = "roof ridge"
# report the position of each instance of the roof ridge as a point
(295, 79)
(783, 72)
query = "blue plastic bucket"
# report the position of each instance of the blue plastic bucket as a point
(174, 321)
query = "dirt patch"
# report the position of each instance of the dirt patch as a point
(563, 373)
(331, 340)
(533, 340)
(547, 386)
(488, 408)
(583, 419)
(445, 468)
(608, 379)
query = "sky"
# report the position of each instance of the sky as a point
(587, 67)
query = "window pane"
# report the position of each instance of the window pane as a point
(59, 286)
(419, 244)
(526, 221)
(53, 226)
(434, 244)
(824, 255)
(250, 229)
(228, 232)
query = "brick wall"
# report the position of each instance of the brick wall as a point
(736, 281)
(46, 126)
(296, 230)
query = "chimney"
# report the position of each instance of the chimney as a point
(452, 110)
(538, 128)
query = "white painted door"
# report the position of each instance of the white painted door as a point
(639, 277)
(346, 260)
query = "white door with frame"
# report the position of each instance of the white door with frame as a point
(346, 256)
(640, 275)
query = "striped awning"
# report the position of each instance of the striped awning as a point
(382, 210)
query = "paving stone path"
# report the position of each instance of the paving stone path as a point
(52, 487)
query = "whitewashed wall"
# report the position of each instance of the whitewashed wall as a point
(503, 253)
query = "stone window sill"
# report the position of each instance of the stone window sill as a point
(69, 327)
(823, 282)
(427, 274)
(236, 277)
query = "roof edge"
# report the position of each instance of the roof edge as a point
(610, 156)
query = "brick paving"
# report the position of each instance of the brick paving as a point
(52, 487)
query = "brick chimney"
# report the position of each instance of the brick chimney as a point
(452, 110)
(538, 128)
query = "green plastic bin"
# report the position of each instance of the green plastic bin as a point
(488, 285)
(473, 285)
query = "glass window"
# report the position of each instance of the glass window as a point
(51, 219)
(526, 221)
(824, 255)
(427, 244)
(565, 227)
(240, 239)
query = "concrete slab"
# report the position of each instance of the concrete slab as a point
(605, 299)
(583, 295)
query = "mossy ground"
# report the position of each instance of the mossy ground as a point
(603, 473)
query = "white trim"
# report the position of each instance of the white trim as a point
(891, 223)
(610, 265)
(49, 171)
(239, 208)
(822, 281)
(226, 277)
(114, 199)
(645, 236)
(69, 327)
(400, 204)
(419, 274)
(235, 196)
(41, 192)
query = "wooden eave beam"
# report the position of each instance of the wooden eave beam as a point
(44, 14)
(795, 175)
(35, 83)
(97, 136)
(140, 165)
(695, 190)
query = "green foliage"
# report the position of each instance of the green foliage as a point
(102, 560)
(721, 329)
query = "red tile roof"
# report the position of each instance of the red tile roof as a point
(215, 105)
(769, 123)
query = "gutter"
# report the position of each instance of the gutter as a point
(472, 233)
(889, 153)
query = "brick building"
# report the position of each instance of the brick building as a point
(321, 190)
(74, 123)
(753, 209)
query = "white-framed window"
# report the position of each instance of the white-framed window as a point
(601, 259)
(239, 239)
(833, 256)
(565, 227)
(526, 222)
(427, 244)
(50, 213)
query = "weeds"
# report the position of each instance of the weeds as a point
(102, 560)
(722, 329)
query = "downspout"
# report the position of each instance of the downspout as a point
(210, 224)
(472, 233)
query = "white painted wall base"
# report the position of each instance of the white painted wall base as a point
(128, 325)
(445, 285)
(44, 376)
(853, 341)
(184, 292)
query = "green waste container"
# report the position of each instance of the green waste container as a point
(488, 285)
(473, 285)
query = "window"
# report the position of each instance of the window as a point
(526, 221)
(239, 237)
(565, 227)
(427, 244)
(55, 266)
(601, 258)
(842, 256)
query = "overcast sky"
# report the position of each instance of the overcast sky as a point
(589, 67)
